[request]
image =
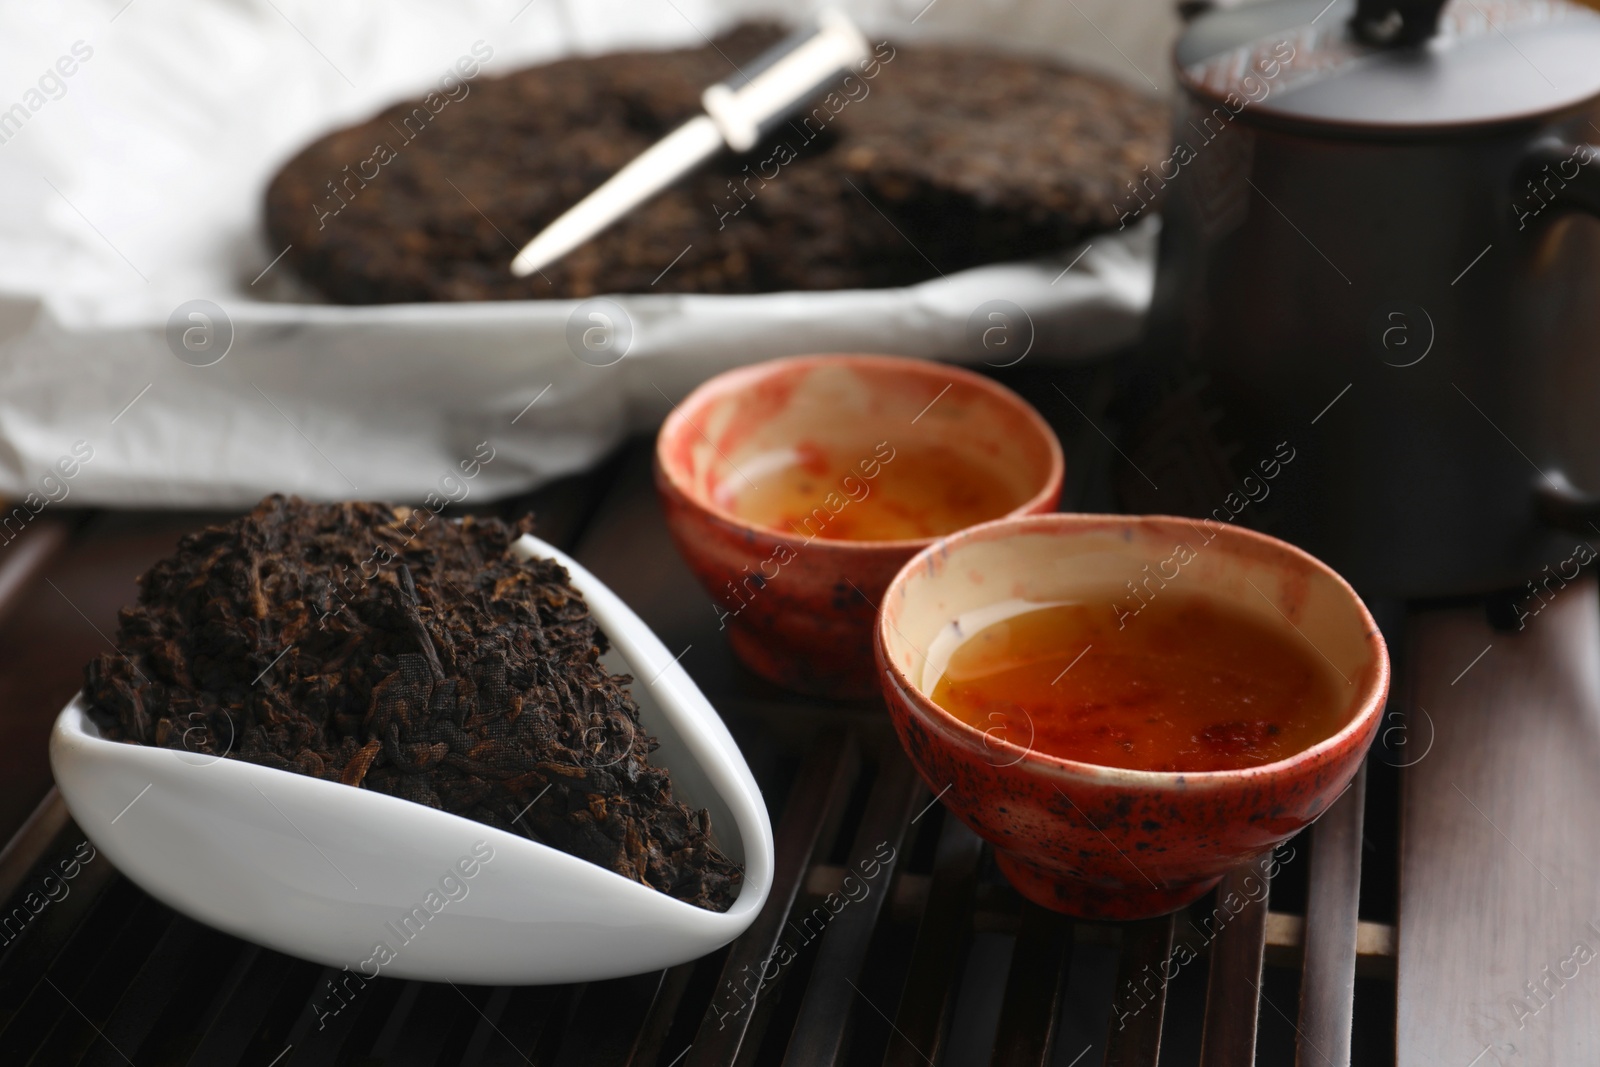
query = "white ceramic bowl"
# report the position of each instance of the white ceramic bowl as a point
(330, 873)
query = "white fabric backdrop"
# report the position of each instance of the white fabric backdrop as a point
(133, 184)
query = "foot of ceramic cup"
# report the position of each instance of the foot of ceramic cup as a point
(1096, 900)
(843, 675)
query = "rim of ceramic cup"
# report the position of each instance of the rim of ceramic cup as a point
(1369, 708)
(732, 381)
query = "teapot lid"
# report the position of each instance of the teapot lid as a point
(1482, 62)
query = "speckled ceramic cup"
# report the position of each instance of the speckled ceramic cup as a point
(799, 609)
(1106, 842)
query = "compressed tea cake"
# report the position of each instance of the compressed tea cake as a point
(927, 160)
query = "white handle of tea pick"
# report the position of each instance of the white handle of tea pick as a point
(658, 167)
(742, 113)
(736, 117)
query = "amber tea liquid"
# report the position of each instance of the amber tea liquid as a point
(871, 492)
(1189, 684)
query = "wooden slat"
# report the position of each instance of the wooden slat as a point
(324, 1024)
(31, 842)
(49, 988)
(193, 976)
(92, 994)
(245, 1011)
(1233, 984)
(145, 993)
(1328, 978)
(56, 927)
(440, 1024)
(430, 1026)
(524, 1027)
(350, 1034)
(1500, 850)
(411, 1006)
(648, 1049)
(922, 1022)
(821, 788)
(610, 1024)
(42, 652)
(834, 993)
(1035, 985)
(1139, 1001)
(437, 1027)
(1375, 945)
(489, 1015)
(194, 995)
(28, 556)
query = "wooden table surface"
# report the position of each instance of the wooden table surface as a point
(1499, 954)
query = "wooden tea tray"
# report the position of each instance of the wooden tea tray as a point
(945, 965)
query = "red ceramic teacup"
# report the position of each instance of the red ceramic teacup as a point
(797, 585)
(1108, 842)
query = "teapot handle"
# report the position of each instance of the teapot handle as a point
(1563, 506)
(1564, 176)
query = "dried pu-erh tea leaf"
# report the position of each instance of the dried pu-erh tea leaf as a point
(381, 648)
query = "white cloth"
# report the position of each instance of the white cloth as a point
(136, 140)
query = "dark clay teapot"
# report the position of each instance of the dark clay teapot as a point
(1379, 259)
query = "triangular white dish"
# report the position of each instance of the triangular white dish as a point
(352, 878)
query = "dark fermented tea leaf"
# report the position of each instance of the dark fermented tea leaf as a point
(390, 650)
